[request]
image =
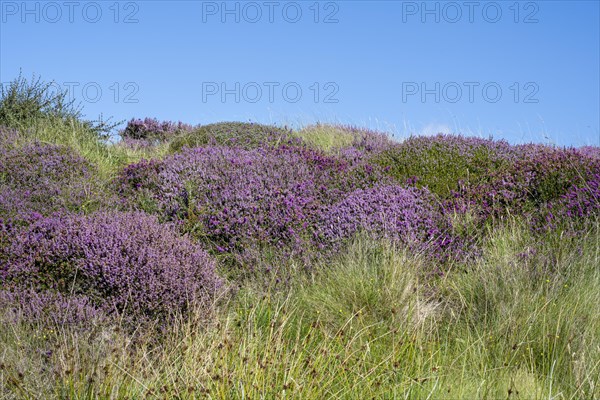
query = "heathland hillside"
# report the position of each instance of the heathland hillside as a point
(240, 260)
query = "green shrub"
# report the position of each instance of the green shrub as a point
(239, 134)
(443, 162)
(23, 103)
(345, 138)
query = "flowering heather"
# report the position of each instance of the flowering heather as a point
(590, 151)
(540, 175)
(583, 200)
(351, 143)
(366, 140)
(43, 178)
(443, 163)
(239, 199)
(573, 210)
(152, 129)
(49, 307)
(404, 215)
(117, 262)
(136, 144)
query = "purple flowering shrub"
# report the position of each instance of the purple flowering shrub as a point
(367, 141)
(540, 176)
(238, 200)
(590, 151)
(44, 178)
(405, 215)
(137, 185)
(124, 263)
(351, 143)
(49, 308)
(575, 210)
(583, 200)
(443, 163)
(151, 129)
(243, 135)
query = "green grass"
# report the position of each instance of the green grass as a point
(328, 138)
(108, 158)
(369, 325)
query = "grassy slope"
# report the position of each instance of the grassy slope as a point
(367, 326)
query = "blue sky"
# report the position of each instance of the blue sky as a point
(522, 71)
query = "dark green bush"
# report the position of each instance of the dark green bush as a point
(236, 134)
(444, 162)
(24, 102)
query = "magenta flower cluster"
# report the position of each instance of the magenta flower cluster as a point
(539, 176)
(405, 215)
(240, 199)
(152, 129)
(43, 178)
(117, 263)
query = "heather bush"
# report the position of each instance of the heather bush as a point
(583, 200)
(368, 141)
(235, 134)
(126, 264)
(590, 151)
(345, 140)
(407, 216)
(239, 200)
(575, 211)
(44, 178)
(443, 163)
(152, 130)
(540, 176)
(49, 308)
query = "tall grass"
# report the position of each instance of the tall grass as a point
(326, 137)
(369, 325)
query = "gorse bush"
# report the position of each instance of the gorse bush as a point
(234, 134)
(123, 263)
(43, 178)
(25, 102)
(443, 163)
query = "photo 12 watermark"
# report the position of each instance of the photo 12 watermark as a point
(471, 92)
(53, 12)
(93, 92)
(253, 12)
(453, 12)
(271, 92)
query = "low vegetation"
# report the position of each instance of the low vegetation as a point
(240, 260)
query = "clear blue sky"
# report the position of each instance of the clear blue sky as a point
(399, 66)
